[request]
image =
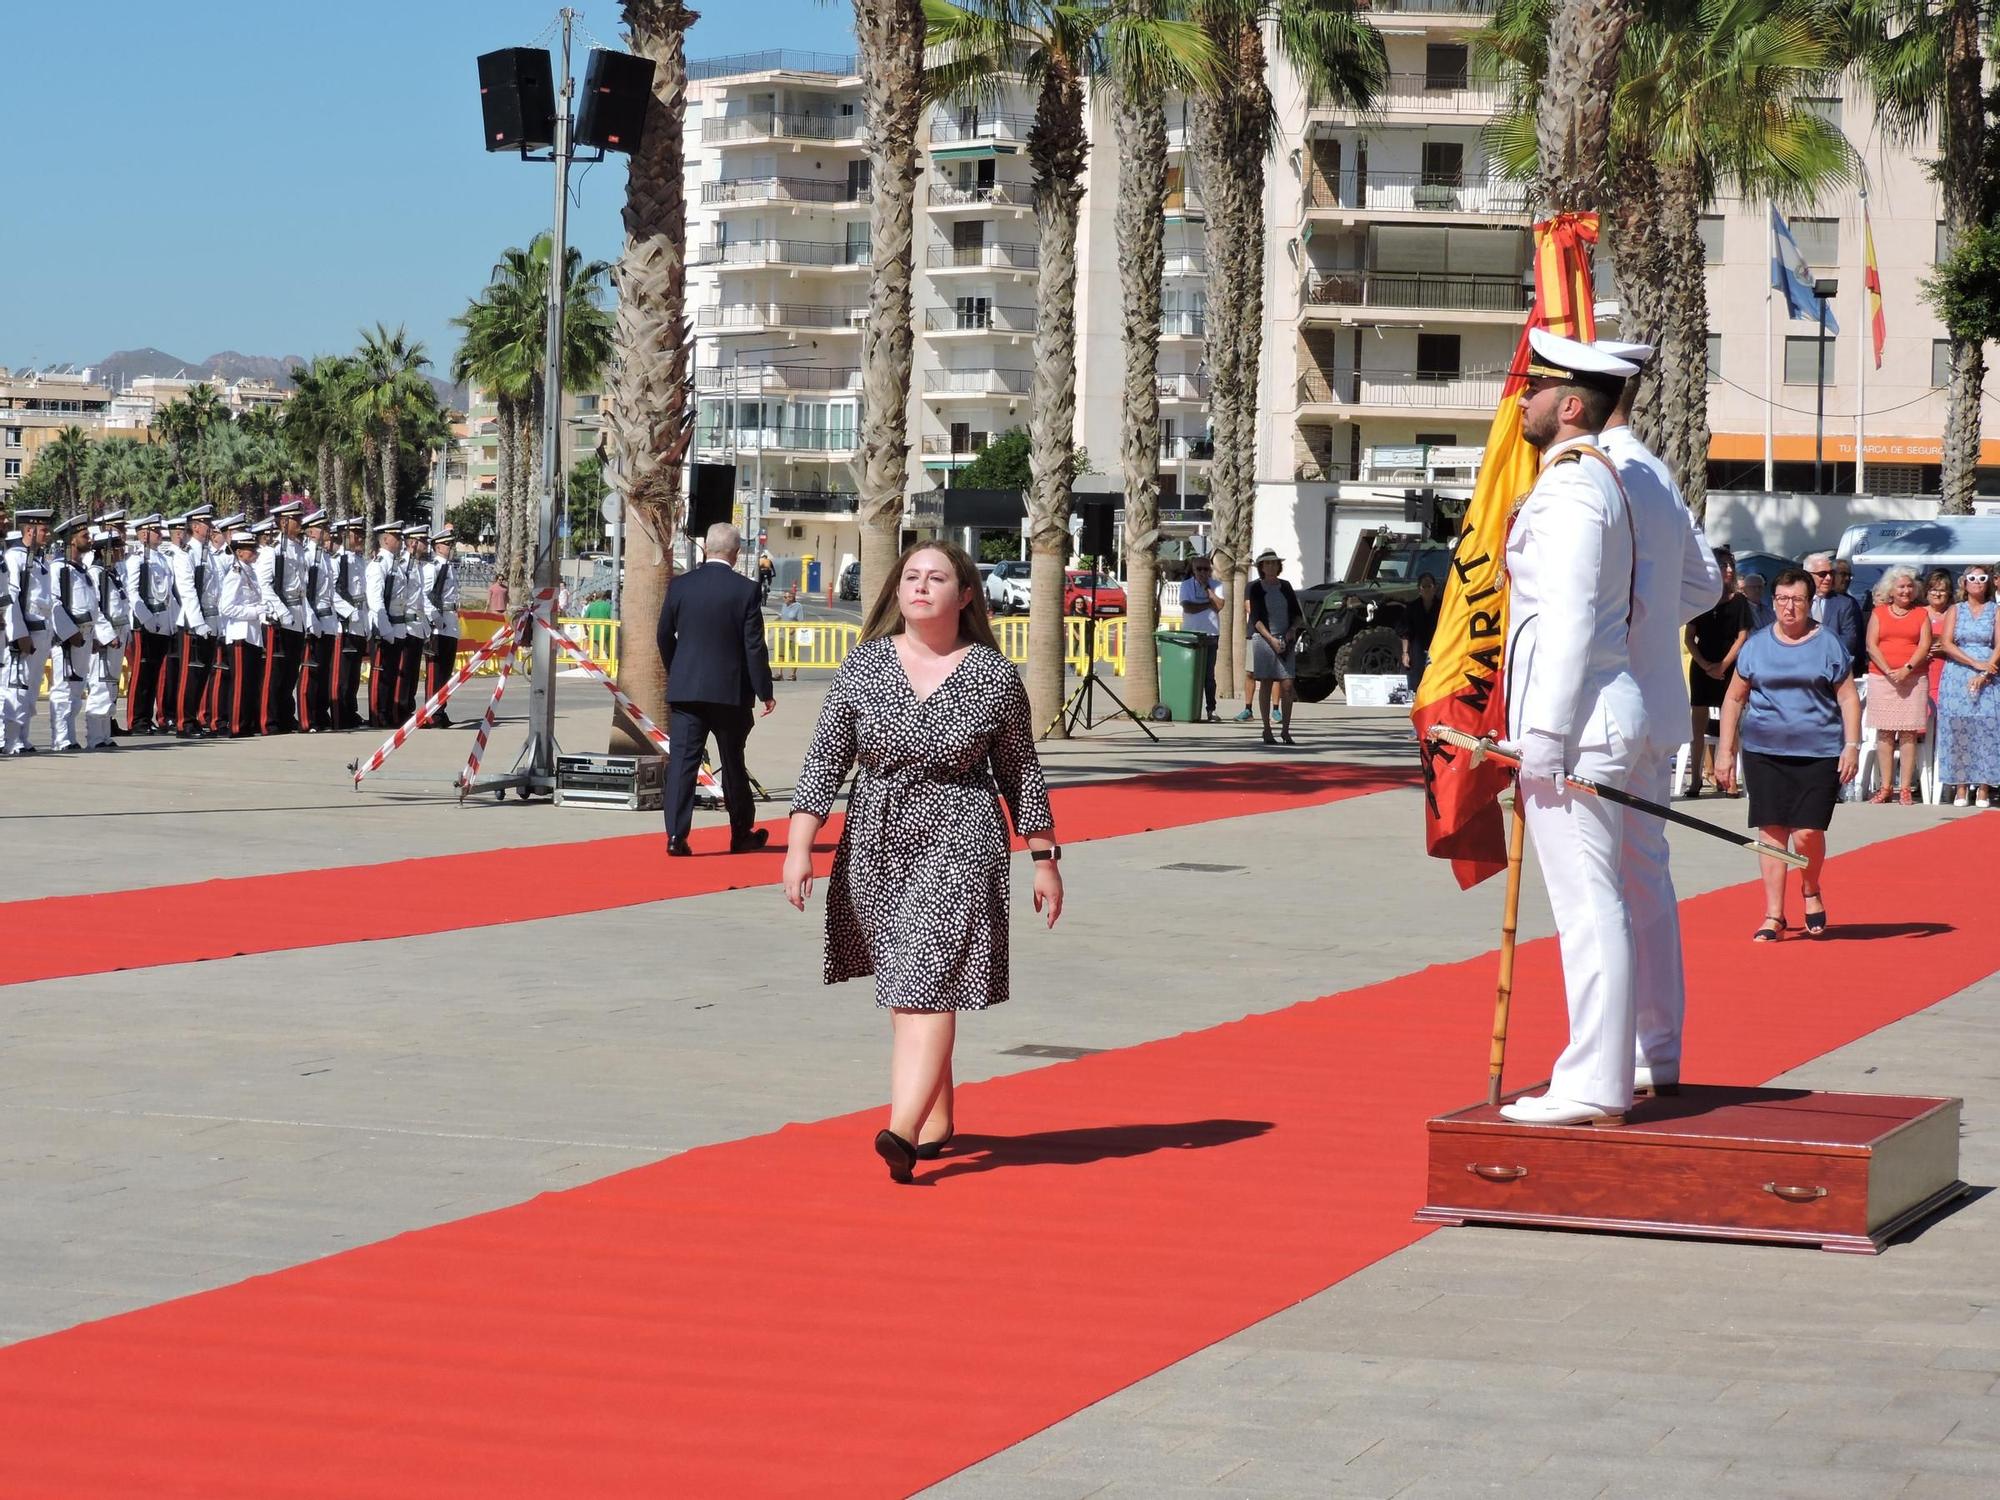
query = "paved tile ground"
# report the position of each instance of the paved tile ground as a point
(172, 1129)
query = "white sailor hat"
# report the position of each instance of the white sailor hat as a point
(179, 521)
(242, 539)
(421, 531)
(395, 526)
(201, 513)
(1636, 354)
(112, 518)
(350, 523)
(104, 536)
(445, 534)
(33, 513)
(12, 537)
(265, 527)
(289, 508)
(148, 522)
(1553, 357)
(316, 518)
(66, 527)
(227, 522)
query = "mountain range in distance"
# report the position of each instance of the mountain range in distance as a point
(120, 369)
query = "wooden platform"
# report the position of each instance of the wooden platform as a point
(1844, 1172)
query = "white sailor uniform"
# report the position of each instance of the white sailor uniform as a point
(107, 657)
(73, 619)
(27, 646)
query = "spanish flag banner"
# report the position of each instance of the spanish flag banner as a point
(1871, 279)
(1463, 687)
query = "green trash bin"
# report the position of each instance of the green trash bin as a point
(1183, 672)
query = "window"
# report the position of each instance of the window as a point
(1444, 164)
(13, 470)
(858, 243)
(1827, 109)
(1714, 357)
(1941, 247)
(13, 437)
(859, 178)
(1819, 240)
(1437, 356)
(1802, 360)
(1711, 239)
(1940, 366)
(1446, 65)
(973, 312)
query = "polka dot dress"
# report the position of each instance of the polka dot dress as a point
(918, 896)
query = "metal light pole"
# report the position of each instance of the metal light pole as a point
(1823, 289)
(753, 513)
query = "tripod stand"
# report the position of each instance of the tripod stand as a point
(1081, 707)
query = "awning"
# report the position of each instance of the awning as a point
(1797, 447)
(974, 153)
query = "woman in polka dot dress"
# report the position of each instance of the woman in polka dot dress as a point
(937, 720)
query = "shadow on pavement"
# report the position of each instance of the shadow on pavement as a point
(1097, 1143)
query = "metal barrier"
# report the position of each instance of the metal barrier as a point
(797, 645)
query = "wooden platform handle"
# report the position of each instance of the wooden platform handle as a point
(1502, 1174)
(1795, 1194)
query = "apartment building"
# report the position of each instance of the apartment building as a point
(35, 407)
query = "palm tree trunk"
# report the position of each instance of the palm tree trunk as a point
(1964, 132)
(527, 495)
(651, 417)
(1683, 352)
(1056, 145)
(391, 451)
(370, 475)
(1573, 123)
(1635, 214)
(329, 501)
(503, 487)
(890, 36)
(1142, 163)
(341, 486)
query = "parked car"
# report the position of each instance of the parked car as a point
(1007, 588)
(850, 581)
(1084, 592)
(1354, 626)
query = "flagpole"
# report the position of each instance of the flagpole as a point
(1770, 468)
(1503, 994)
(1862, 350)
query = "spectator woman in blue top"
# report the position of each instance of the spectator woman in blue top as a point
(1793, 711)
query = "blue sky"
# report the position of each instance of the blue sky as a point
(271, 177)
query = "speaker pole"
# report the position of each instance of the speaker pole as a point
(539, 758)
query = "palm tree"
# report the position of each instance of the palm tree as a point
(1573, 124)
(388, 387)
(67, 456)
(1714, 95)
(1340, 58)
(183, 423)
(650, 416)
(316, 422)
(124, 472)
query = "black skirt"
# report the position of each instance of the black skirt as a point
(1705, 691)
(1791, 791)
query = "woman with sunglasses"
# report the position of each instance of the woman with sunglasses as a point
(1968, 748)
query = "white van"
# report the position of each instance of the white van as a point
(1948, 542)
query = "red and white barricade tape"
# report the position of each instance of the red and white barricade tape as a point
(486, 723)
(502, 640)
(704, 779)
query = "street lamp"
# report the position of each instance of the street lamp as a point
(1823, 289)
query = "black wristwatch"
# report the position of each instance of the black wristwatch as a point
(1054, 855)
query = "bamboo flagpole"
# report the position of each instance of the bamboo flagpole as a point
(1510, 916)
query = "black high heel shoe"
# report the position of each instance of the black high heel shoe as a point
(1815, 920)
(898, 1153)
(932, 1150)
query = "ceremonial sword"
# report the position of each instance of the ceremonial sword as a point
(1483, 747)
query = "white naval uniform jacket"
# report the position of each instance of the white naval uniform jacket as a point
(241, 605)
(197, 582)
(350, 592)
(72, 604)
(114, 605)
(281, 579)
(441, 597)
(27, 593)
(1571, 563)
(388, 598)
(416, 620)
(149, 584)
(316, 585)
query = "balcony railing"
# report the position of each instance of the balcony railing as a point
(1432, 94)
(1420, 461)
(772, 60)
(781, 126)
(1192, 325)
(949, 130)
(1182, 387)
(979, 320)
(990, 257)
(1421, 290)
(1428, 7)
(780, 253)
(942, 445)
(978, 382)
(784, 190)
(1416, 192)
(779, 315)
(1185, 263)
(810, 502)
(749, 379)
(1479, 391)
(982, 195)
(781, 438)
(1194, 449)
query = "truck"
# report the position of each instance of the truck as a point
(1354, 626)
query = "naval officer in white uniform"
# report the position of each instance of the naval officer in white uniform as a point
(1574, 703)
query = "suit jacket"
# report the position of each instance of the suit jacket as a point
(711, 636)
(1840, 617)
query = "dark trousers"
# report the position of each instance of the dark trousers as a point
(197, 661)
(410, 677)
(1209, 643)
(279, 705)
(443, 662)
(246, 689)
(347, 683)
(316, 683)
(385, 683)
(688, 732)
(148, 702)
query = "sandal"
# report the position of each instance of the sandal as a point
(1907, 797)
(1880, 794)
(1767, 932)
(1815, 920)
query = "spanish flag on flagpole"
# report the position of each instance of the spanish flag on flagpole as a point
(1871, 278)
(1464, 685)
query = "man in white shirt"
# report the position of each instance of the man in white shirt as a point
(388, 611)
(1201, 614)
(320, 620)
(440, 601)
(29, 636)
(73, 624)
(350, 608)
(114, 629)
(197, 578)
(155, 643)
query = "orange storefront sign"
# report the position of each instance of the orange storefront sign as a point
(1797, 447)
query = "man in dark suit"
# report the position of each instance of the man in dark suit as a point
(1838, 612)
(711, 638)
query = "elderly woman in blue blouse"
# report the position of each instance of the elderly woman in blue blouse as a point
(1793, 711)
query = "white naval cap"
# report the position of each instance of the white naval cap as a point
(1553, 357)
(242, 539)
(231, 522)
(148, 522)
(102, 537)
(1636, 354)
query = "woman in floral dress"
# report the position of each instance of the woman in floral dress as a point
(938, 722)
(1968, 712)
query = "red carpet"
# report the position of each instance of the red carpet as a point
(175, 924)
(770, 1317)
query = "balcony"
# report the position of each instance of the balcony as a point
(1427, 94)
(1391, 392)
(802, 190)
(1471, 11)
(809, 502)
(1421, 461)
(1182, 388)
(1024, 259)
(1008, 321)
(1185, 263)
(772, 60)
(945, 448)
(978, 382)
(1418, 194)
(1183, 325)
(748, 380)
(1416, 291)
(952, 130)
(773, 316)
(776, 125)
(982, 195)
(822, 255)
(782, 438)
(1182, 204)
(1196, 450)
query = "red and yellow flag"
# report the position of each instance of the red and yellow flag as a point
(1871, 278)
(1463, 688)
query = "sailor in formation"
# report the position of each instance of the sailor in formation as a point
(440, 598)
(113, 631)
(197, 577)
(154, 652)
(29, 636)
(350, 608)
(388, 621)
(73, 626)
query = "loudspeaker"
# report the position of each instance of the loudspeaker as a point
(711, 498)
(517, 98)
(1098, 532)
(615, 90)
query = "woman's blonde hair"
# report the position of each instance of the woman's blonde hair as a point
(886, 615)
(1885, 587)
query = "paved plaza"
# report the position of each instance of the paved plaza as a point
(179, 1128)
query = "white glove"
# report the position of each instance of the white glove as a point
(1541, 760)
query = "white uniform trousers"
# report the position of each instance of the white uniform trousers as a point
(101, 695)
(1648, 886)
(66, 692)
(20, 686)
(1579, 842)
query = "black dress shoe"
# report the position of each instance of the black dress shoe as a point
(678, 848)
(755, 839)
(932, 1150)
(142, 727)
(898, 1153)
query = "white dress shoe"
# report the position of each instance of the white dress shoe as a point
(1545, 1109)
(1660, 1080)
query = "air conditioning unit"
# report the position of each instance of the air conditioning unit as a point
(795, 531)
